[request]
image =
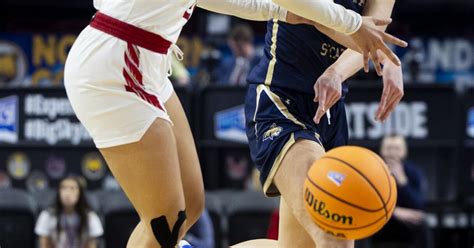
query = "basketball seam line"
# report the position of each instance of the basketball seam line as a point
(342, 200)
(356, 228)
(371, 184)
(388, 178)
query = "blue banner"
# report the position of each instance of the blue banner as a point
(33, 59)
(440, 60)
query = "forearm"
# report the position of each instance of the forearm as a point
(325, 12)
(256, 10)
(92, 243)
(350, 62)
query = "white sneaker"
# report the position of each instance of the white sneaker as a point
(184, 244)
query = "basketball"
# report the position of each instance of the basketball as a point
(350, 192)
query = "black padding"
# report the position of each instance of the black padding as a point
(166, 237)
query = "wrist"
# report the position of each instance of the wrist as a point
(334, 73)
(356, 25)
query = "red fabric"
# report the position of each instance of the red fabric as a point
(272, 232)
(130, 33)
(134, 78)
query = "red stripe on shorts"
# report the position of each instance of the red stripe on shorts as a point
(133, 76)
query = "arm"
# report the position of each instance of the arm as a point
(325, 12)
(92, 243)
(43, 230)
(256, 10)
(350, 62)
(410, 192)
(45, 242)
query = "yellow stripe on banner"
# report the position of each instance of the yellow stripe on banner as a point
(271, 65)
(278, 103)
(268, 187)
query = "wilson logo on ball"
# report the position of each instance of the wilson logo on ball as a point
(320, 207)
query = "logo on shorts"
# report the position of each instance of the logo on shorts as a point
(273, 132)
(9, 119)
(336, 177)
(18, 165)
(93, 166)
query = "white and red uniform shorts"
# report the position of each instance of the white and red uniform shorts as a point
(117, 81)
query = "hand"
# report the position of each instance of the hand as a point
(327, 91)
(392, 90)
(397, 170)
(370, 39)
(411, 216)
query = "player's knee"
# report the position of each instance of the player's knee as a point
(168, 234)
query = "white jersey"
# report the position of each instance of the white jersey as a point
(163, 17)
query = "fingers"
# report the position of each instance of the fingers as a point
(382, 21)
(366, 61)
(321, 105)
(383, 103)
(390, 54)
(377, 63)
(327, 98)
(394, 40)
(389, 109)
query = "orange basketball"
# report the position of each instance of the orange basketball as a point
(350, 192)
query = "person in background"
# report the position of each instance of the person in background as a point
(407, 223)
(69, 223)
(201, 234)
(234, 70)
(180, 75)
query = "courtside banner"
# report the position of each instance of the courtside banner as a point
(441, 60)
(39, 118)
(427, 114)
(33, 59)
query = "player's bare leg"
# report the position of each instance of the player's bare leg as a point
(258, 243)
(149, 173)
(286, 237)
(191, 176)
(296, 228)
(289, 179)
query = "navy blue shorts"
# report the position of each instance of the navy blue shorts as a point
(276, 118)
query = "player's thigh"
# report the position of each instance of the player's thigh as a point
(149, 173)
(295, 223)
(291, 233)
(188, 160)
(258, 243)
(289, 180)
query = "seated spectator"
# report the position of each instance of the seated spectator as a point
(234, 70)
(69, 223)
(201, 234)
(180, 75)
(407, 223)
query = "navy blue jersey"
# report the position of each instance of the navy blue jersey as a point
(296, 55)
